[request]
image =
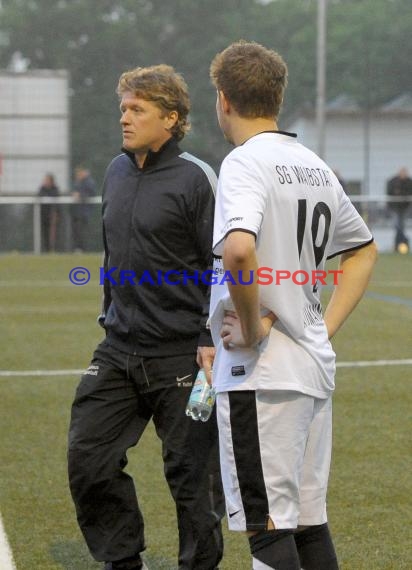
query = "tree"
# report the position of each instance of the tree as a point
(369, 53)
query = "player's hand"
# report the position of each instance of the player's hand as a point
(267, 323)
(204, 358)
(231, 331)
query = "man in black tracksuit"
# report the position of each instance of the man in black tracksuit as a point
(157, 219)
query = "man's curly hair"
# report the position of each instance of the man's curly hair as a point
(164, 87)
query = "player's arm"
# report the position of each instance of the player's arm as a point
(356, 269)
(239, 255)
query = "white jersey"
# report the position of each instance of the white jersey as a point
(285, 195)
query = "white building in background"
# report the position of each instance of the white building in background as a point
(34, 130)
(365, 148)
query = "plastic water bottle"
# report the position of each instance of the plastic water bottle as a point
(202, 399)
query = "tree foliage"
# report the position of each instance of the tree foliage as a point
(368, 53)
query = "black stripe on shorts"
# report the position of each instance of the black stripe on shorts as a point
(246, 449)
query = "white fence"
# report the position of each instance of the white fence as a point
(36, 203)
(374, 209)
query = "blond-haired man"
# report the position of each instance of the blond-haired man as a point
(157, 221)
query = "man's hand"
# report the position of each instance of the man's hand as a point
(231, 331)
(205, 357)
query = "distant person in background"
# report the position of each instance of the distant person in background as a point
(84, 188)
(49, 214)
(400, 186)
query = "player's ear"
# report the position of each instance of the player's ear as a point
(224, 102)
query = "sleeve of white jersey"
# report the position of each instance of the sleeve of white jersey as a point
(351, 231)
(240, 199)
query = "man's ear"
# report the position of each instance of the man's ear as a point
(171, 119)
(224, 102)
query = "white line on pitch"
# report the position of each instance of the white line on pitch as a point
(6, 557)
(76, 372)
(361, 363)
(41, 372)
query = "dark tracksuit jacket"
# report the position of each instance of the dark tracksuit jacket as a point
(157, 224)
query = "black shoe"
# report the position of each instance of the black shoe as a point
(126, 564)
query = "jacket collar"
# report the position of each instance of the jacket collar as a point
(169, 150)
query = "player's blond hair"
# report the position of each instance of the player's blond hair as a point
(252, 77)
(164, 87)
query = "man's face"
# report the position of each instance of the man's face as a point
(144, 125)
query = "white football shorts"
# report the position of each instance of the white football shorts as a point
(275, 450)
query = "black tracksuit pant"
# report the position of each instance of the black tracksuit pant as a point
(117, 396)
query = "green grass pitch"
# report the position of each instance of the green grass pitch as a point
(48, 324)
